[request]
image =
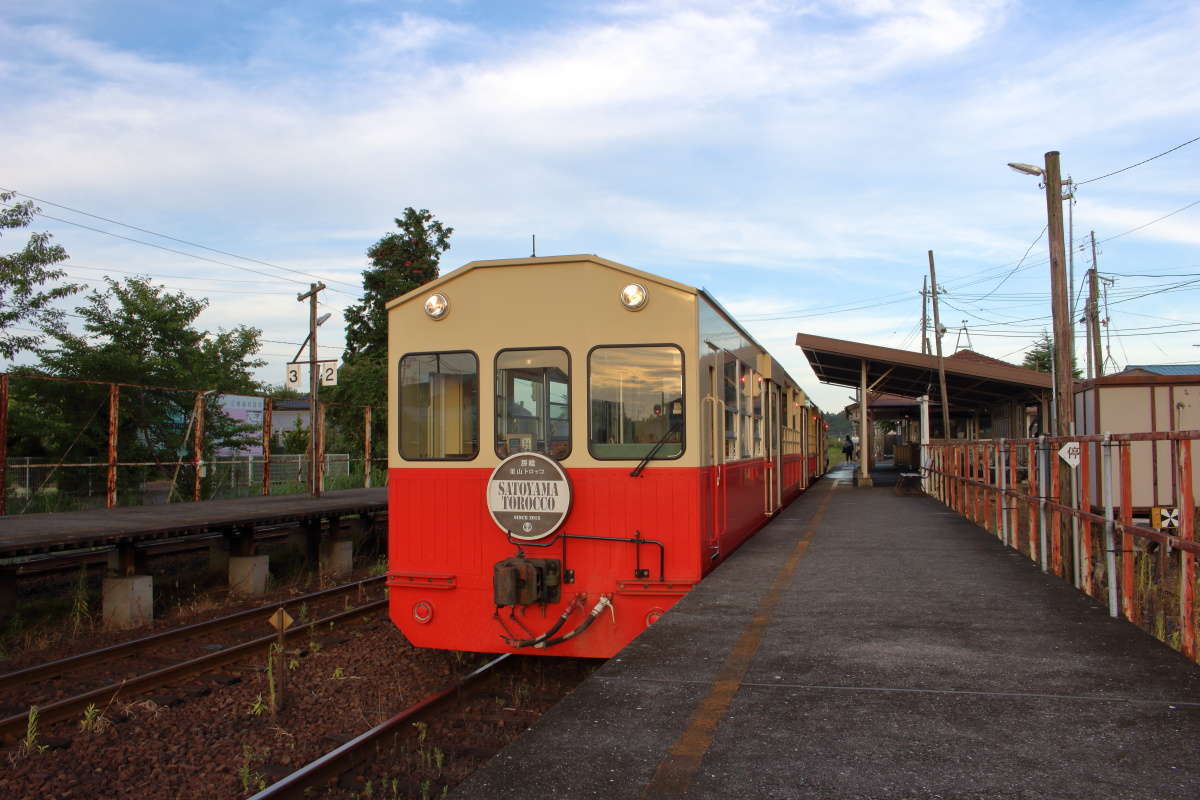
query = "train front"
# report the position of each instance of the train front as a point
(544, 477)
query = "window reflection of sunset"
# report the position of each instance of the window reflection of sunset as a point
(636, 397)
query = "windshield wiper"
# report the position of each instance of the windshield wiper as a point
(637, 471)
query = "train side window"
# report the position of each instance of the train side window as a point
(731, 406)
(635, 402)
(438, 417)
(533, 402)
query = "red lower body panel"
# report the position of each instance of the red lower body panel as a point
(442, 546)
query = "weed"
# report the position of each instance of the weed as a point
(422, 731)
(80, 614)
(294, 664)
(257, 707)
(94, 720)
(425, 787)
(302, 614)
(439, 759)
(369, 789)
(29, 744)
(251, 778)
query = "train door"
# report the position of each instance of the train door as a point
(778, 412)
(771, 442)
(802, 430)
(716, 445)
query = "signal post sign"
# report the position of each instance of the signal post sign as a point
(327, 375)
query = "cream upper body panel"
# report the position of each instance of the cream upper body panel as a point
(570, 302)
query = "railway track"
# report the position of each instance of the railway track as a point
(344, 757)
(13, 726)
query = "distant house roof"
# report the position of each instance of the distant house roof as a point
(977, 358)
(1161, 369)
(291, 404)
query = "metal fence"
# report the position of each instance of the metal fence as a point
(1115, 514)
(77, 444)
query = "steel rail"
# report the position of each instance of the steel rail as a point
(334, 761)
(12, 727)
(54, 668)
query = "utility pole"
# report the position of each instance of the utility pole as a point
(924, 316)
(1063, 329)
(1094, 312)
(314, 381)
(937, 338)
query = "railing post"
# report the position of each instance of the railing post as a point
(1110, 543)
(1056, 561)
(114, 400)
(1127, 584)
(1187, 572)
(198, 445)
(1013, 511)
(1032, 480)
(1042, 489)
(366, 447)
(3, 444)
(1001, 497)
(268, 425)
(1083, 502)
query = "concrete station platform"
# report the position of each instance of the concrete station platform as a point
(871, 645)
(128, 531)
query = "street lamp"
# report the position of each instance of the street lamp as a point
(1064, 400)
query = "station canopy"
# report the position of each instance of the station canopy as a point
(972, 380)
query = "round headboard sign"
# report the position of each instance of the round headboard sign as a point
(528, 496)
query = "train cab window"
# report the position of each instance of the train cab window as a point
(635, 399)
(439, 406)
(533, 402)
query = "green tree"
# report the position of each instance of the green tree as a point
(1040, 356)
(400, 262)
(136, 332)
(22, 276)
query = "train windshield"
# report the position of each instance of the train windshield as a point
(636, 400)
(439, 406)
(533, 402)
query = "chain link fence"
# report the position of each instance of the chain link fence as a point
(68, 445)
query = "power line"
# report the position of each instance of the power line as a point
(1151, 222)
(173, 238)
(177, 252)
(1018, 266)
(1138, 164)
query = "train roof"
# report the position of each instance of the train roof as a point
(594, 259)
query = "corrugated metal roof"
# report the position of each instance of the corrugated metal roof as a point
(1166, 369)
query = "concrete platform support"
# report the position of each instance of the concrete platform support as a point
(306, 541)
(218, 555)
(248, 575)
(8, 592)
(127, 601)
(337, 556)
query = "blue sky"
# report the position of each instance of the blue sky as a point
(797, 159)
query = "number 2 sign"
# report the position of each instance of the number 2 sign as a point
(328, 373)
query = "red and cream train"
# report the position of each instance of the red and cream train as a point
(573, 445)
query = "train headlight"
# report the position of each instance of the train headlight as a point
(437, 306)
(634, 297)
